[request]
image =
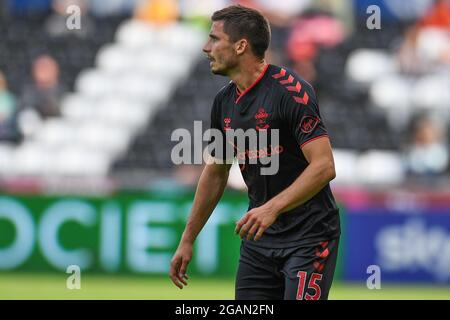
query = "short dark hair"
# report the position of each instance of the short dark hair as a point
(242, 22)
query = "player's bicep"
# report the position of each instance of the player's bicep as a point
(318, 149)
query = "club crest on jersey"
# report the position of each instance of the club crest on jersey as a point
(261, 117)
(227, 122)
(308, 123)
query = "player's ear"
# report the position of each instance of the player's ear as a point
(240, 46)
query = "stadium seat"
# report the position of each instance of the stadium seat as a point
(114, 58)
(6, 159)
(369, 170)
(56, 133)
(94, 83)
(391, 92)
(432, 92)
(135, 34)
(366, 65)
(81, 161)
(345, 161)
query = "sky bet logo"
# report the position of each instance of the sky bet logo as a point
(415, 247)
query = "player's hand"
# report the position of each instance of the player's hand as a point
(178, 266)
(255, 222)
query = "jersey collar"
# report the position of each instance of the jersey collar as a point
(240, 96)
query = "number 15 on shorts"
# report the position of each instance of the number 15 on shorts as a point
(312, 285)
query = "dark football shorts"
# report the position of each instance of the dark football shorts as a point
(298, 273)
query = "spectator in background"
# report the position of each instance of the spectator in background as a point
(44, 95)
(158, 11)
(407, 55)
(428, 153)
(426, 45)
(281, 14)
(308, 34)
(299, 29)
(434, 38)
(438, 15)
(8, 127)
(56, 24)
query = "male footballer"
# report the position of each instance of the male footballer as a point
(290, 234)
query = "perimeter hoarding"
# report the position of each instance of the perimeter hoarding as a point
(124, 233)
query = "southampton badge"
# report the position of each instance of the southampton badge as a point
(261, 118)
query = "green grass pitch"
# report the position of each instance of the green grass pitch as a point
(53, 286)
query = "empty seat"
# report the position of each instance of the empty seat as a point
(380, 167)
(366, 65)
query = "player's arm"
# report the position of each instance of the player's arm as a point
(210, 188)
(319, 172)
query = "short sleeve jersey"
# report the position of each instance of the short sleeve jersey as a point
(279, 99)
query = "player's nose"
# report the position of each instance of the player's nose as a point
(206, 48)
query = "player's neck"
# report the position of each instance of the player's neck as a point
(247, 74)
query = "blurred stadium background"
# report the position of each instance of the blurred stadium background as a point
(86, 116)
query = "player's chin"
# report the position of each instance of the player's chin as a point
(217, 70)
(213, 67)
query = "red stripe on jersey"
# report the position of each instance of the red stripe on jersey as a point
(311, 140)
(281, 74)
(253, 84)
(288, 80)
(302, 100)
(322, 254)
(295, 88)
(318, 266)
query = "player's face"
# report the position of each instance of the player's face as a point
(220, 50)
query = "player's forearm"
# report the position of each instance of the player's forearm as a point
(316, 176)
(210, 188)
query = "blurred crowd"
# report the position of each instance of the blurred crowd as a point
(300, 29)
(424, 53)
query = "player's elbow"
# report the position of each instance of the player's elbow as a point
(328, 170)
(332, 173)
